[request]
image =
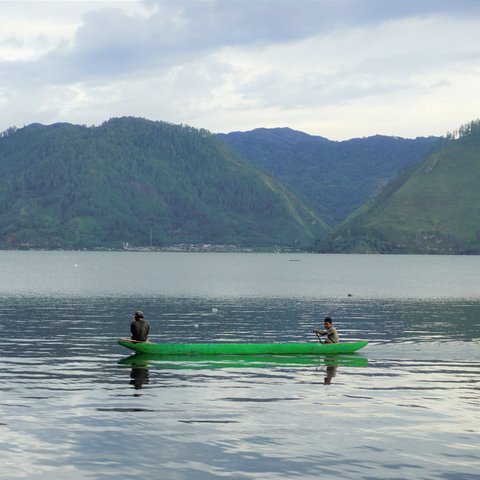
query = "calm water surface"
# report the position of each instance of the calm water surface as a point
(76, 405)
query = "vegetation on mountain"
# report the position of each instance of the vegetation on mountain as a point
(433, 207)
(142, 182)
(333, 178)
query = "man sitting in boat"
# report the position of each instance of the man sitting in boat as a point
(139, 327)
(330, 331)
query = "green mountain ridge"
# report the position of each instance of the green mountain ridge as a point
(433, 207)
(332, 177)
(138, 181)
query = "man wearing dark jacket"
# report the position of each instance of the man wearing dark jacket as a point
(139, 327)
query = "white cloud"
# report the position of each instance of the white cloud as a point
(333, 68)
(332, 76)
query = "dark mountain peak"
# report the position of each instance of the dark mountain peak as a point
(277, 134)
(129, 120)
(35, 125)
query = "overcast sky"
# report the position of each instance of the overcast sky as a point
(335, 68)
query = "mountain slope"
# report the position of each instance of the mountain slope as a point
(434, 207)
(334, 178)
(132, 180)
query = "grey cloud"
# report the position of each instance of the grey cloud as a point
(111, 43)
(209, 23)
(237, 21)
(181, 30)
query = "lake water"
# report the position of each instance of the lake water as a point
(76, 405)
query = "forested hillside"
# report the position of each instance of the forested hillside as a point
(334, 178)
(138, 181)
(434, 207)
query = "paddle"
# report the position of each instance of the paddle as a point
(318, 336)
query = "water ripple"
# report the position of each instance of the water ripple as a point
(74, 406)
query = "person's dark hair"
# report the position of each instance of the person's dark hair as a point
(328, 319)
(139, 314)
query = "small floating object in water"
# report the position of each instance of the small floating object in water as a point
(214, 310)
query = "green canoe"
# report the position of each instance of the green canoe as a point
(312, 348)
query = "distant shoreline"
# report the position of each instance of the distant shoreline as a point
(177, 248)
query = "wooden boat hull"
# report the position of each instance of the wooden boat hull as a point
(305, 348)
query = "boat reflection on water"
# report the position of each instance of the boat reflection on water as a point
(140, 363)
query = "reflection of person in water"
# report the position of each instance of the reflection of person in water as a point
(331, 372)
(139, 377)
